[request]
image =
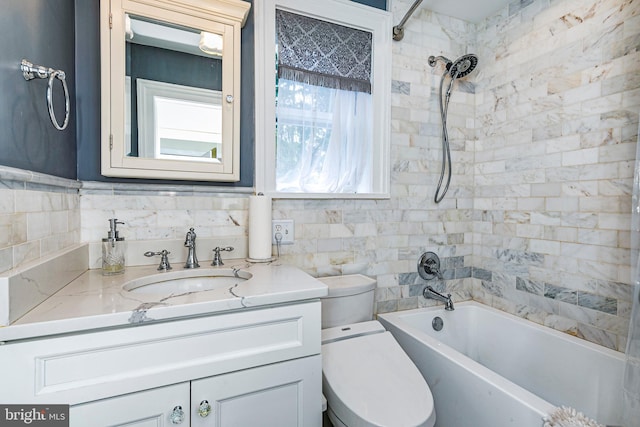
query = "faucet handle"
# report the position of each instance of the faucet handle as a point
(164, 260)
(429, 266)
(217, 259)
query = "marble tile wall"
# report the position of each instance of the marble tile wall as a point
(39, 215)
(158, 217)
(385, 238)
(557, 105)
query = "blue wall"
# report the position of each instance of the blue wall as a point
(40, 31)
(88, 99)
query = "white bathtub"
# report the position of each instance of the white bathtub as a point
(487, 368)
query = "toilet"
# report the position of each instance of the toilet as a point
(367, 379)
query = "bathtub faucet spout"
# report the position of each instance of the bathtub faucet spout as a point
(429, 292)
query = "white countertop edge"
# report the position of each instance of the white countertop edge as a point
(152, 315)
(49, 319)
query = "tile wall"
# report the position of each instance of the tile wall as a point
(158, 217)
(39, 215)
(557, 106)
(385, 238)
(536, 221)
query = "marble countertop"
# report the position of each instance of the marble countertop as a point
(95, 301)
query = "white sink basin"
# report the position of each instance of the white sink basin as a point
(179, 282)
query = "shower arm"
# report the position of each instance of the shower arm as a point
(433, 60)
(398, 30)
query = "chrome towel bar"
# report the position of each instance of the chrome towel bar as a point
(30, 71)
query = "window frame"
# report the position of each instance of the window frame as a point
(376, 21)
(148, 91)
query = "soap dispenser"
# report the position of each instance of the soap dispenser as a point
(113, 250)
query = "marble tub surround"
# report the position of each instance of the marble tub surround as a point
(94, 301)
(23, 288)
(455, 281)
(556, 112)
(596, 310)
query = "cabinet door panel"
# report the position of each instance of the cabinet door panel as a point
(151, 408)
(284, 394)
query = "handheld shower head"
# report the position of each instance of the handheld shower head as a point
(463, 65)
(458, 68)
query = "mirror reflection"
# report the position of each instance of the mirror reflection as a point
(173, 85)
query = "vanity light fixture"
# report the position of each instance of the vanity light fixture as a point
(210, 43)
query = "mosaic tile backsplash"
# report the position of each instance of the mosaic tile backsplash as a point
(537, 218)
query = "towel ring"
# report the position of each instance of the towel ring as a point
(30, 71)
(57, 74)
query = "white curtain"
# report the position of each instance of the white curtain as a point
(324, 141)
(631, 405)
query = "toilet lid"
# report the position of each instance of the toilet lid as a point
(370, 381)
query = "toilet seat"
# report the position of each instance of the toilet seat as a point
(369, 381)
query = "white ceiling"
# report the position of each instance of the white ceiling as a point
(468, 10)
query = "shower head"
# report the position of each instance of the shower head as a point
(463, 65)
(458, 68)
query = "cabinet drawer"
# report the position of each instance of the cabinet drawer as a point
(89, 366)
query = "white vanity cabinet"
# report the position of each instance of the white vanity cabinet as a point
(277, 395)
(254, 367)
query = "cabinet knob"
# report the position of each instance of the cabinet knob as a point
(229, 99)
(177, 415)
(204, 409)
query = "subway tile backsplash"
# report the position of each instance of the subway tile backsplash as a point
(39, 215)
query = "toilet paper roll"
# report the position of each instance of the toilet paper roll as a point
(259, 228)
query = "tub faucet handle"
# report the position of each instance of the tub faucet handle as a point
(429, 266)
(432, 267)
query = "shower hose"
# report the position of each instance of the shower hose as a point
(446, 151)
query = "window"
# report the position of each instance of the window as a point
(322, 138)
(179, 121)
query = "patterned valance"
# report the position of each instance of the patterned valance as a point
(323, 53)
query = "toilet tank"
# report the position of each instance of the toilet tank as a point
(349, 300)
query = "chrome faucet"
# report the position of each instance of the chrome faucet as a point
(190, 242)
(429, 266)
(432, 267)
(429, 292)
